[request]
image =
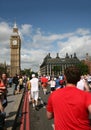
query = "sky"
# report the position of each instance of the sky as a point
(45, 26)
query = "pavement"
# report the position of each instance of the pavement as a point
(38, 118)
(12, 108)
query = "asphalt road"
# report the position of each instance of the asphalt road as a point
(38, 118)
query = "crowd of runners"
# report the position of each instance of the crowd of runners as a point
(52, 83)
(33, 84)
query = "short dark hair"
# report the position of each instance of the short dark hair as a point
(72, 74)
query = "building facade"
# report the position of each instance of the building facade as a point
(15, 48)
(56, 66)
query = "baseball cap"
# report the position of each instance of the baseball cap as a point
(33, 75)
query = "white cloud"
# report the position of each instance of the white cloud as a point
(78, 44)
(36, 44)
(82, 31)
(26, 29)
(5, 32)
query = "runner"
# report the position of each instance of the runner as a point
(34, 90)
(70, 107)
(44, 83)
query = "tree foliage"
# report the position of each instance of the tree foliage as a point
(3, 70)
(84, 68)
(28, 72)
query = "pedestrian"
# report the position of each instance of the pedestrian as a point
(20, 84)
(2, 112)
(82, 84)
(70, 106)
(29, 89)
(15, 84)
(2, 93)
(52, 84)
(57, 85)
(5, 82)
(10, 81)
(44, 84)
(3, 99)
(34, 90)
(62, 81)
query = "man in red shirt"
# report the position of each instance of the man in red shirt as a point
(70, 106)
(44, 83)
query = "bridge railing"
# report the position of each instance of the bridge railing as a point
(25, 118)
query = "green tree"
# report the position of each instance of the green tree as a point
(28, 72)
(83, 68)
(2, 70)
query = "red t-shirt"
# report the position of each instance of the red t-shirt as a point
(44, 80)
(2, 87)
(69, 106)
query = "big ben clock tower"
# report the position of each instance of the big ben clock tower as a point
(15, 48)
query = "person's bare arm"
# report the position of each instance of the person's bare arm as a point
(89, 109)
(86, 86)
(49, 115)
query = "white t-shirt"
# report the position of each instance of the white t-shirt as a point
(52, 83)
(34, 84)
(80, 84)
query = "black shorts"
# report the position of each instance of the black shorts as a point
(52, 88)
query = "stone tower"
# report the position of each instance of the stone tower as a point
(15, 49)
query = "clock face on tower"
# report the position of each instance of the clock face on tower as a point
(14, 42)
